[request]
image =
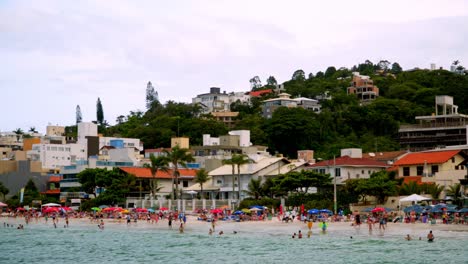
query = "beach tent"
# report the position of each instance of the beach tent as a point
(3, 204)
(51, 205)
(414, 198)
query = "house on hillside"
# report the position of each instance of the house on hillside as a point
(441, 167)
(350, 165)
(389, 157)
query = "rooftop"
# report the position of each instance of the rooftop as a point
(433, 157)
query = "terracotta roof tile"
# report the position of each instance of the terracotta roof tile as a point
(384, 156)
(55, 179)
(55, 191)
(140, 172)
(348, 161)
(260, 93)
(434, 157)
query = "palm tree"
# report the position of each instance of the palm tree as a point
(18, 133)
(239, 160)
(3, 190)
(229, 162)
(454, 191)
(201, 177)
(255, 188)
(409, 188)
(178, 156)
(435, 190)
(157, 163)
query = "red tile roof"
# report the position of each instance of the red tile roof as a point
(140, 172)
(260, 93)
(352, 162)
(408, 179)
(433, 157)
(156, 150)
(55, 191)
(55, 179)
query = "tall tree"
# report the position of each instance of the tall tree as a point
(233, 166)
(178, 157)
(99, 112)
(239, 160)
(201, 178)
(79, 116)
(19, 132)
(255, 83)
(396, 68)
(298, 75)
(151, 95)
(3, 190)
(156, 164)
(271, 81)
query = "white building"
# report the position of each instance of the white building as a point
(215, 101)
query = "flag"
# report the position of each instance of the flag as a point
(21, 195)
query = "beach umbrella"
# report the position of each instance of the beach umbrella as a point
(326, 211)
(51, 204)
(245, 210)
(238, 212)
(51, 210)
(125, 211)
(97, 209)
(20, 209)
(416, 208)
(378, 210)
(66, 208)
(103, 206)
(141, 210)
(151, 210)
(3, 204)
(463, 210)
(216, 211)
(163, 209)
(367, 210)
(313, 211)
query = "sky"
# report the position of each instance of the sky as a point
(55, 55)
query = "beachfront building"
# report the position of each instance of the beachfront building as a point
(222, 177)
(441, 167)
(446, 127)
(285, 100)
(165, 180)
(363, 87)
(389, 157)
(350, 165)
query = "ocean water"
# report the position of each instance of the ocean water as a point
(117, 243)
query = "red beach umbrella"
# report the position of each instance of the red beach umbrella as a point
(163, 209)
(141, 210)
(378, 209)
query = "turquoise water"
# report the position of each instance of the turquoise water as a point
(39, 243)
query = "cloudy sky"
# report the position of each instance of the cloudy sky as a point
(59, 54)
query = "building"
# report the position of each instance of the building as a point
(182, 142)
(363, 87)
(223, 179)
(165, 178)
(350, 165)
(389, 157)
(228, 118)
(214, 101)
(446, 127)
(441, 167)
(284, 100)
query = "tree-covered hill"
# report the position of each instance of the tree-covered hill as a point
(343, 121)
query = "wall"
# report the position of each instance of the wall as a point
(28, 142)
(183, 142)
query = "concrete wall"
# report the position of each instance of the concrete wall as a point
(17, 179)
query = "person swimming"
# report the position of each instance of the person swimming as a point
(408, 237)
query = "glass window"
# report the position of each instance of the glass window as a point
(419, 170)
(406, 171)
(434, 169)
(337, 172)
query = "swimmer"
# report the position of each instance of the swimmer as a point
(210, 232)
(408, 237)
(299, 235)
(294, 235)
(234, 232)
(430, 237)
(221, 232)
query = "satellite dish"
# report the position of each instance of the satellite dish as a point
(371, 154)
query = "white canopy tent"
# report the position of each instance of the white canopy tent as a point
(51, 205)
(414, 198)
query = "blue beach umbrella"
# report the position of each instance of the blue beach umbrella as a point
(313, 211)
(238, 212)
(326, 211)
(367, 210)
(463, 210)
(151, 210)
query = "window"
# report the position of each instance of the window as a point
(219, 182)
(185, 184)
(453, 159)
(337, 172)
(362, 172)
(419, 170)
(406, 171)
(434, 169)
(322, 171)
(456, 167)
